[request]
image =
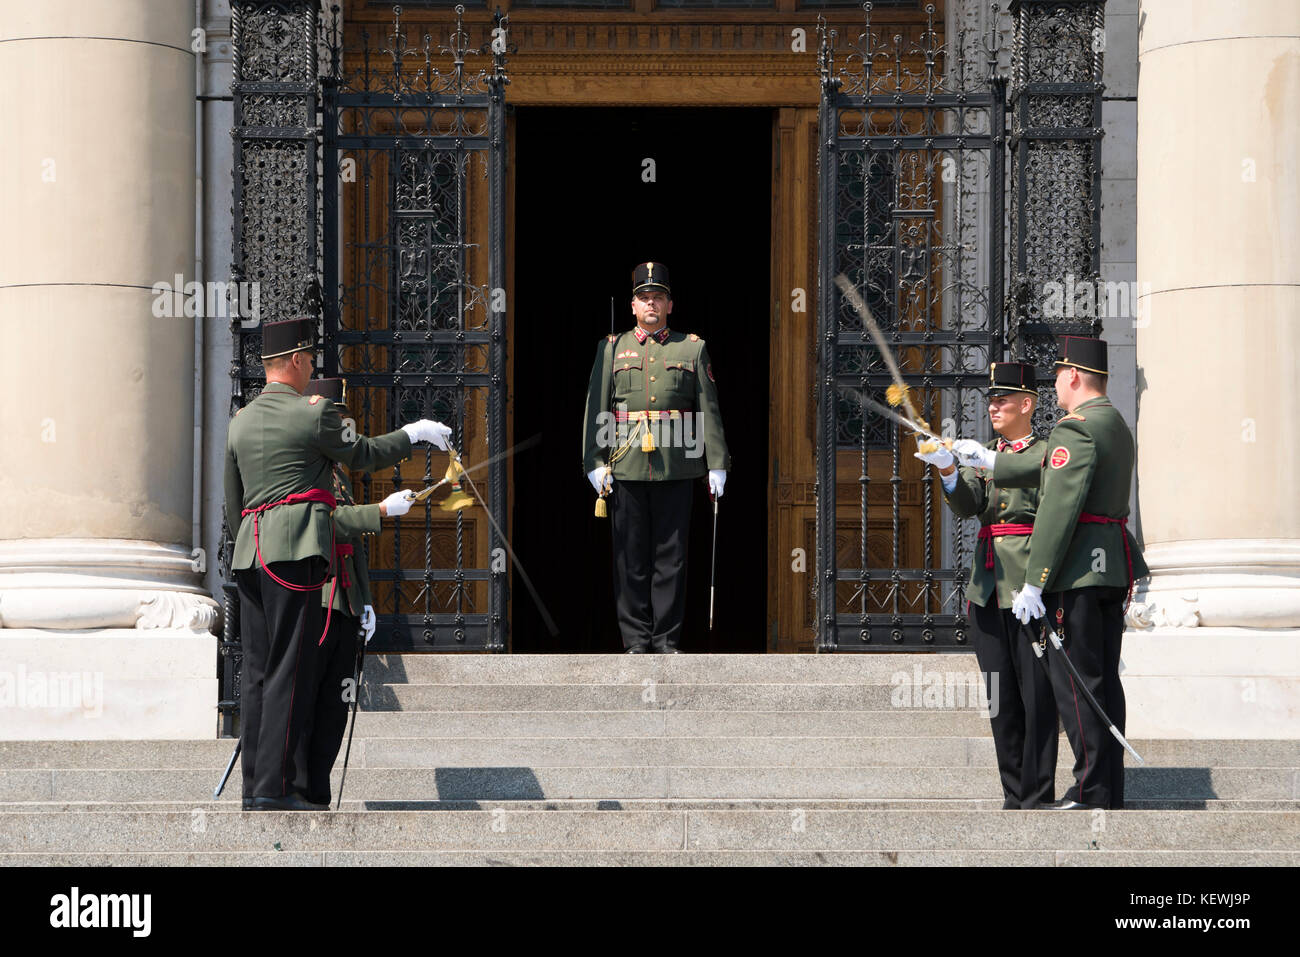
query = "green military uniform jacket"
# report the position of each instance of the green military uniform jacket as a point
(1086, 465)
(281, 443)
(977, 496)
(351, 522)
(651, 376)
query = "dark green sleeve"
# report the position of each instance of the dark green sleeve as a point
(715, 443)
(1060, 499)
(593, 453)
(234, 491)
(968, 497)
(360, 453)
(1017, 471)
(351, 521)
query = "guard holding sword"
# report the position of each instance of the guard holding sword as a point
(1022, 711)
(652, 426)
(1082, 563)
(279, 499)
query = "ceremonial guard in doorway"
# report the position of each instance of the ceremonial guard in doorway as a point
(652, 426)
(279, 496)
(1021, 709)
(1082, 560)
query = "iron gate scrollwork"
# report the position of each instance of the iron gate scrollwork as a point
(914, 165)
(414, 136)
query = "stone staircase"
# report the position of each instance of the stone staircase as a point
(687, 759)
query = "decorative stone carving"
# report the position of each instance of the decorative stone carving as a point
(1165, 611)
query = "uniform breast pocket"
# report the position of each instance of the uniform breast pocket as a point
(680, 375)
(629, 374)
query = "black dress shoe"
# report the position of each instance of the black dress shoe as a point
(1065, 804)
(246, 804)
(290, 802)
(1010, 805)
(670, 651)
(635, 651)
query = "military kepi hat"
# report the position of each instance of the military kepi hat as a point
(1083, 352)
(336, 390)
(650, 276)
(287, 336)
(1007, 377)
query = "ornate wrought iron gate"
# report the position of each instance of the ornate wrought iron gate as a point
(913, 174)
(371, 194)
(415, 137)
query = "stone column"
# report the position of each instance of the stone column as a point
(97, 576)
(1218, 257)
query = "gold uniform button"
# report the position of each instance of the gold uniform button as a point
(997, 538)
(652, 378)
(652, 398)
(652, 358)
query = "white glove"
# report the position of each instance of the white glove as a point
(717, 479)
(1028, 603)
(426, 430)
(368, 622)
(940, 458)
(399, 503)
(969, 452)
(601, 479)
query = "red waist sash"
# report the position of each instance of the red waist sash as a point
(1010, 528)
(1086, 518)
(299, 498)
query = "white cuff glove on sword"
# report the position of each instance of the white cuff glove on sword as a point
(974, 454)
(399, 503)
(717, 479)
(601, 479)
(368, 622)
(426, 430)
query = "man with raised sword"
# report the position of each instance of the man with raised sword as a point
(279, 499)
(1082, 560)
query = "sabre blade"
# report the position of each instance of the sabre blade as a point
(550, 624)
(878, 337)
(525, 444)
(1088, 696)
(900, 419)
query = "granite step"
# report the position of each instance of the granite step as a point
(963, 694)
(676, 669)
(650, 750)
(597, 858)
(531, 782)
(230, 802)
(786, 830)
(671, 723)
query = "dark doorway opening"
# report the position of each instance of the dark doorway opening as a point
(584, 216)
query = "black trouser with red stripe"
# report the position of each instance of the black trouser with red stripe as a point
(1090, 622)
(650, 522)
(279, 630)
(336, 665)
(1022, 710)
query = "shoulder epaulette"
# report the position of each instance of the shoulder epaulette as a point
(612, 336)
(693, 337)
(313, 400)
(1073, 415)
